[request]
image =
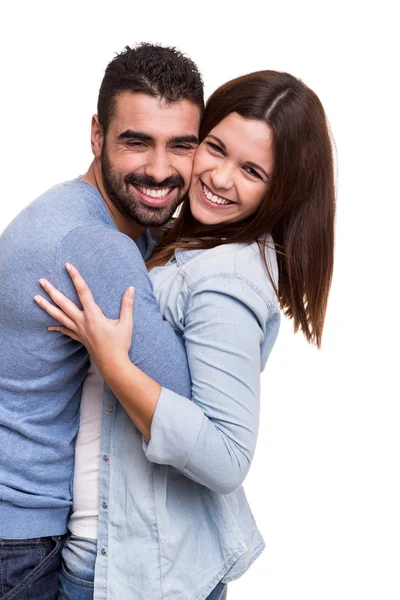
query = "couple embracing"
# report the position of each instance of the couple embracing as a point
(128, 429)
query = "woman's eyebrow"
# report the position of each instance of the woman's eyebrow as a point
(251, 164)
(220, 142)
(256, 166)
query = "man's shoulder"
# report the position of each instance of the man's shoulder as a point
(69, 217)
(68, 200)
(93, 235)
(62, 204)
(61, 209)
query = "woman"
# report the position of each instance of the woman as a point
(256, 235)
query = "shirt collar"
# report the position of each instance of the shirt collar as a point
(183, 256)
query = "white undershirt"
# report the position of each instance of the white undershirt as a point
(85, 508)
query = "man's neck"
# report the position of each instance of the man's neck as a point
(124, 224)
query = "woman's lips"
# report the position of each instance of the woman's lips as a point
(208, 202)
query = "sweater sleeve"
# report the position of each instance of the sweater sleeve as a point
(110, 262)
(212, 439)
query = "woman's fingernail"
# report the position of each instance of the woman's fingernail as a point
(37, 299)
(42, 282)
(68, 266)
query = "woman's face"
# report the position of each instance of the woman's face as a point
(232, 169)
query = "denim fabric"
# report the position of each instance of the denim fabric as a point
(41, 373)
(29, 568)
(174, 520)
(78, 566)
(77, 569)
(219, 593)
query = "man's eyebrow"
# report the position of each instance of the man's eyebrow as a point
(251, 164)
(184, 139)
(139, 135)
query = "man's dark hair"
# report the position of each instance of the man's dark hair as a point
(160, 72)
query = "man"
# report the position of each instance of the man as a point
(143, 140)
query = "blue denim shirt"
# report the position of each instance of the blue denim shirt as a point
(174, 519)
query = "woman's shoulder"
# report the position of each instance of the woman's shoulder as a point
(233, 266)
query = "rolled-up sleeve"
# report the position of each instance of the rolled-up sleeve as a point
(212, 438)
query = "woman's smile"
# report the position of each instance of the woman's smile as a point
(212, 199)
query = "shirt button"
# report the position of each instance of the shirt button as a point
(105, 458)
(104, 551)
(105, 505)
(109, 410)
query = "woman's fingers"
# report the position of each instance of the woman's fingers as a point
(66, 305)
(66, 331)
(82, 288)
(126, 314)
(55, 312)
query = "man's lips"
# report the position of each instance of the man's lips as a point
(150, 201)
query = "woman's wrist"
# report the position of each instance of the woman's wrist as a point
(112, 368)
(135, 390)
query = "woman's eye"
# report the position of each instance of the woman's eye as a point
(215, 147)
(252, 172)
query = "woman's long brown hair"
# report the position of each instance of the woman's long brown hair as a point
(299, 208)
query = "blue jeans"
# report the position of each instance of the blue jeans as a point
(29, 568)
(77, 571)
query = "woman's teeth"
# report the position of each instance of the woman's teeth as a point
(213, 198)
(154, 193)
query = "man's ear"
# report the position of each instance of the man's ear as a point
(96, 136)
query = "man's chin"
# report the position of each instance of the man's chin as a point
(147, 216)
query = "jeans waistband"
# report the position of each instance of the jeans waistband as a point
(38, 540)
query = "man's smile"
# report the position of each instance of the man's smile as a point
(154, 196)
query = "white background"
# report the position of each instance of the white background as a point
(324, 485)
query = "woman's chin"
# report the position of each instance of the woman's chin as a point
(202, 217)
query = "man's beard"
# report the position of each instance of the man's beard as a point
(124, 197)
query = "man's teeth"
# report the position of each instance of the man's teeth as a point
(213, 198)
(154, 193)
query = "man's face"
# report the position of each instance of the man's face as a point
(147, 156)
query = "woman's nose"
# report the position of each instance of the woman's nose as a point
(222, 177)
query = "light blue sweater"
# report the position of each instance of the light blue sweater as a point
(41, 373)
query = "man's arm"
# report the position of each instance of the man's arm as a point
(110, 262)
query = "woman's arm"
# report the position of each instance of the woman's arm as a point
(108, 342)
(225, 323)
(212, 439)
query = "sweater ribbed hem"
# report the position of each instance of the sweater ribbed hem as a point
(21, 523)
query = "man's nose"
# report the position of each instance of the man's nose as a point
(158, 167)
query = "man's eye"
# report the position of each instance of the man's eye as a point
(136, 144)
(182, 148)
(215, 147)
